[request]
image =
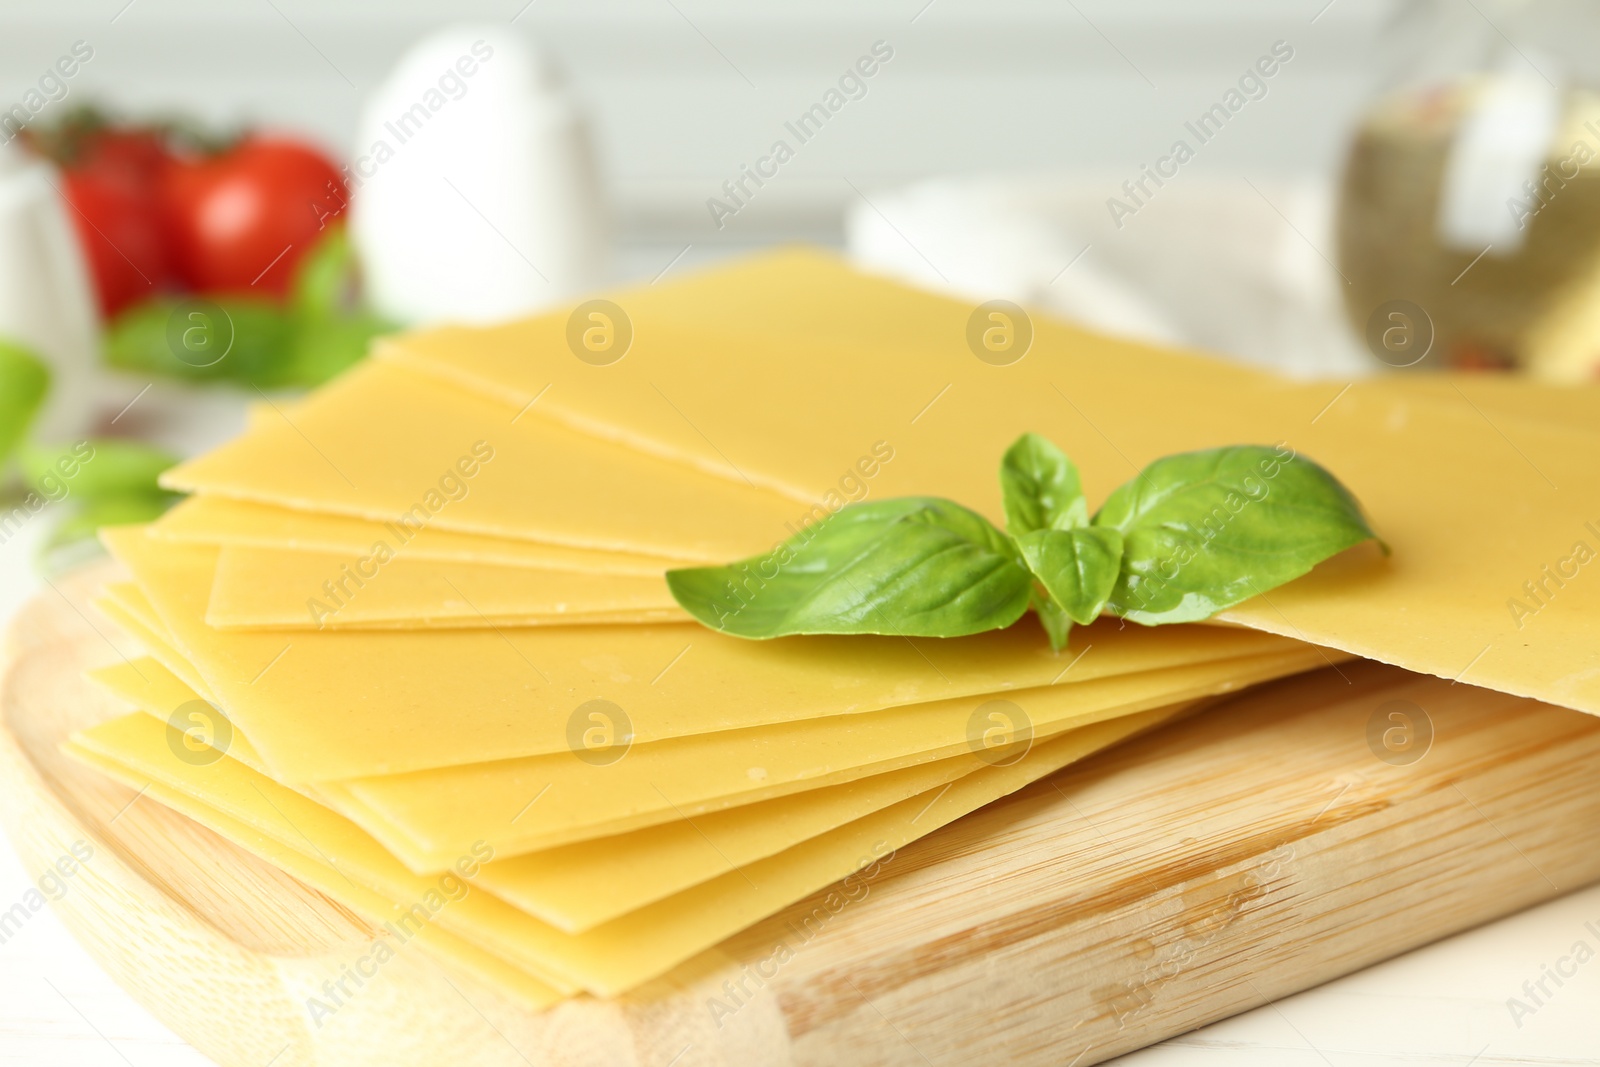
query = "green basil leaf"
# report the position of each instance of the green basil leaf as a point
(1052, 616)
(327, 281)
(24, 381)
(1078, 568)
(258, 335)
(1203, 531)
(1040, 487)
(333, 328)
(918, 566)
(321, 349)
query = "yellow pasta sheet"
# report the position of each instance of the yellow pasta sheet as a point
(155, 643)
(684, 834)
(149, 686)
(709, 773)
(384, 443)
(217, 520)
(1505, 399)
(615, 956)
(281, 589)
(543, 801)
(1486, 492)
(131, 599)
(399, 925)
(579, 886)
(345, 704)
(786, 370)
(885, 339)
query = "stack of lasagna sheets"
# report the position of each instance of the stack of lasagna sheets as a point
(409, 638)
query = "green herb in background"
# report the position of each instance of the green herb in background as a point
(320, 330)
(24, 383)
(1189, 536)
(323, 329)
(94, 483)
(84, 520)
(101, 467)
(256, 336)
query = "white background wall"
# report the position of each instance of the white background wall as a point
(683, 91)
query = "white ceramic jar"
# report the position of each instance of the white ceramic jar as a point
(475, 196)
(45, 300)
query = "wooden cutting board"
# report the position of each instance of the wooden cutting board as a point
(1274, 842)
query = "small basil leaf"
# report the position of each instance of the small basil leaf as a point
(1078, 568)
(917, 566)
(1052, 616)
(1040, 488)
(1205, 530)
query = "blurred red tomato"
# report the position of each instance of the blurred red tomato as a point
(112, 181)
(138, 154)
(240, 221)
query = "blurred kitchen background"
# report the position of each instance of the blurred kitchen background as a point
(1328, 187)
(679, 94)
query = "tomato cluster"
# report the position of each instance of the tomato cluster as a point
(158, 213)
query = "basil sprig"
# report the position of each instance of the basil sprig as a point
(1189, 536)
